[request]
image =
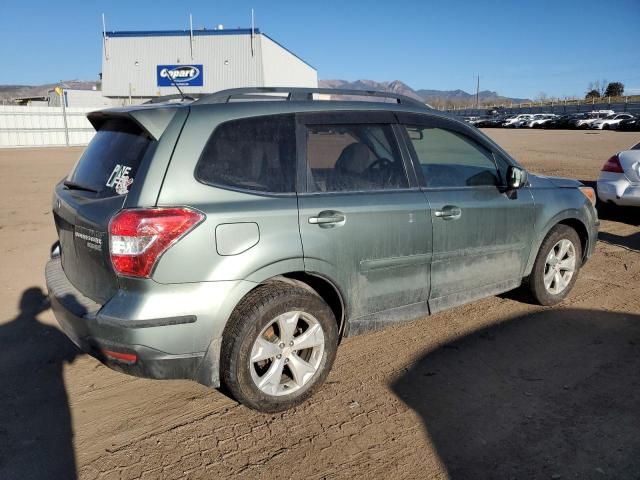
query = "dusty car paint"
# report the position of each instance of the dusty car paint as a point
(392, 260)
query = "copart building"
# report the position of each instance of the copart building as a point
(139, 65)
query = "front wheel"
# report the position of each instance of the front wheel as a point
(556, 268)
(278, 347)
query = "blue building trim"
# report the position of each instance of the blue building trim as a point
(180, 33)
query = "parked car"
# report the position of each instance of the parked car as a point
(619, 181)
(591, 117)
(236, 242)
(477, 120)
(490, 122)
(526, 122)
(610, 121)
(629, 125)
(470, 119)
(511, 121)
(562, 122)
(540, 119)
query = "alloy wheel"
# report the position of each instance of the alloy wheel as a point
(287, 353)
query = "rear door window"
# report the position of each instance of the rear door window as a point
(256, 154)
(110, 162)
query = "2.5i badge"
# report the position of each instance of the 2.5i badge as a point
(119, 179)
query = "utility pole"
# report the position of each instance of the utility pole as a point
(252, 30)
(478, 93)
(63, 99)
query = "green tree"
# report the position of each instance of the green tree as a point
(592, 94)
(614, 89)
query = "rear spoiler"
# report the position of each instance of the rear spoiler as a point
(153, 119)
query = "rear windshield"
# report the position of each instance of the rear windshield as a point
(110, 162)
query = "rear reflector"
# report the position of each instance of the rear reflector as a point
(138, 237)
(613, 165)
(119, 356)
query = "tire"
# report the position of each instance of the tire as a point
(548, 295)
(261, 314)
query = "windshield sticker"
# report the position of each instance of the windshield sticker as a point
(120, 180)
(122, 184)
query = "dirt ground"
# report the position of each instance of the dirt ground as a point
(496, 389)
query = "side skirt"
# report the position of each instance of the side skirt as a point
(385, 318)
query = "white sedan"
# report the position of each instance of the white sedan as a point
(511, 121)
(592, 117)
(540, 119)
(611, 121)
(619, 181)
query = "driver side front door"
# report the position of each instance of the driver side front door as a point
(364, 222)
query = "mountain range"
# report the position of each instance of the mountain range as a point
(8, 92)
(428, 96)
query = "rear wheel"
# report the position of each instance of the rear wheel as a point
(557, 264)
(278, 347)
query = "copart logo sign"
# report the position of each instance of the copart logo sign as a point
(182, 75)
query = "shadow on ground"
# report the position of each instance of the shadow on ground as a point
(554, 394)
(630, 242)
(36, 435)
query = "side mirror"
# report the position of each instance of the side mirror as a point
(516, 177)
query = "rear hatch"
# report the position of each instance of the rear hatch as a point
(87, 199)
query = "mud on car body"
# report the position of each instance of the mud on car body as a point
(236, 242)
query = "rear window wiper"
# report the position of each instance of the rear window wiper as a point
(76, 186)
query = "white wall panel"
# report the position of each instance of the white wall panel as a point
(31, 126)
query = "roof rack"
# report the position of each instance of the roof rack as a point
(297, 94)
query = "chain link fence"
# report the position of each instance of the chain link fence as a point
(560, 108)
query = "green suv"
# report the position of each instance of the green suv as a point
(236, 238)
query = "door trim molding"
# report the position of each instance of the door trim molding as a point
(393, 262)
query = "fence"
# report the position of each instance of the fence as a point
(559, 108)
(28, 126)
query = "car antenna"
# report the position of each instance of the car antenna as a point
(173, 82)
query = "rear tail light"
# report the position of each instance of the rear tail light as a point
(613, 165)
(138, 237)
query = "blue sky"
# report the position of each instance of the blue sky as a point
(519, 48)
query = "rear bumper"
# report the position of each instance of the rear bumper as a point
(108, 339)
(616, 188)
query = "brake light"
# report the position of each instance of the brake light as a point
(138, 237)
(613, 165)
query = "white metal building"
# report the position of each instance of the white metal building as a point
(137, 64)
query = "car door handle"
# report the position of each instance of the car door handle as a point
(327, 217)
(449, 212)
